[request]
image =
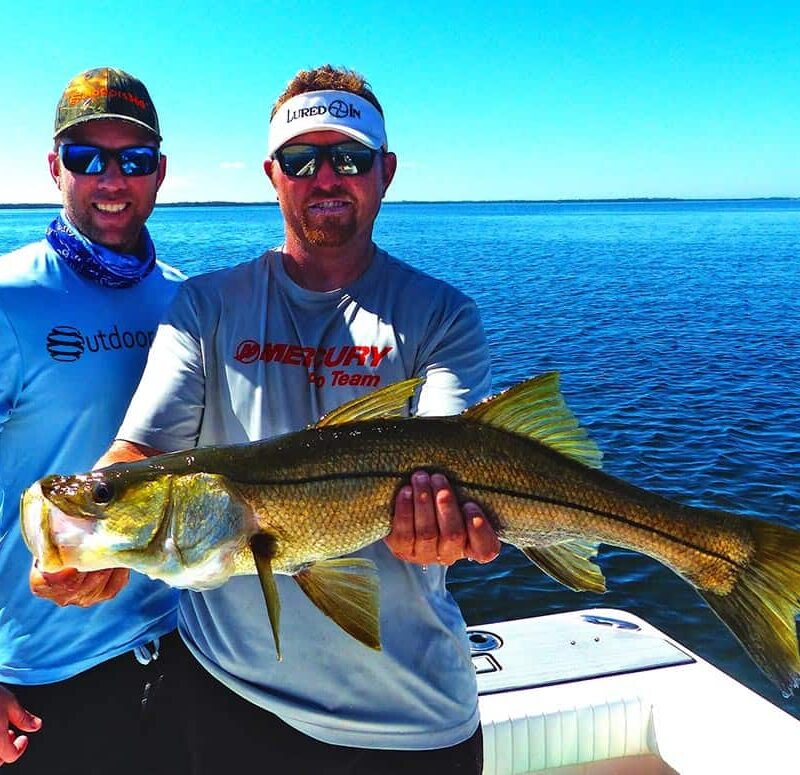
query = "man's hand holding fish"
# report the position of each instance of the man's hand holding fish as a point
(73, 587)
(430, 527)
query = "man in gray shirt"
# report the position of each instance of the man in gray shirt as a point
(268, 347)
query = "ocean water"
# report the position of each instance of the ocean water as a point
(675, 329)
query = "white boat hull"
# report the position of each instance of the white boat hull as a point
(601, 691)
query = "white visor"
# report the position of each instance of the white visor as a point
(316, 111)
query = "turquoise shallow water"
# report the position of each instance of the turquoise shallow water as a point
(674, 326)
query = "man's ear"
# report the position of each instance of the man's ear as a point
(389, 168)
(268, 167)
(162, 171)
(55, 168)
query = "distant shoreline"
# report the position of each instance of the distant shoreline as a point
(622, 200)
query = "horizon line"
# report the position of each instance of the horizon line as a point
(592, 200)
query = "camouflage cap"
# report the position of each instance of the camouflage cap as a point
(105, 92)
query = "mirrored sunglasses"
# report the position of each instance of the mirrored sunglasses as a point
(134, 161)
(303, 161)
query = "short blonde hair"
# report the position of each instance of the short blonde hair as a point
(327, 77)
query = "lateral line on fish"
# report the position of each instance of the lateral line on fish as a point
(513, 494)
(610, 515)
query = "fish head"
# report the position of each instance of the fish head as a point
(181, 528)
(78, 521)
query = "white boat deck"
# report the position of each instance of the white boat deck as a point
(602, 692)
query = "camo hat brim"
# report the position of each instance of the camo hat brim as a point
(105, 92)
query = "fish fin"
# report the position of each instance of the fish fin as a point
(261, 546)
(760, 609)
(391, 401)
(346, 589)
(536, 408)
(570, 564)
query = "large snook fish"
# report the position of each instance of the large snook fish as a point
(295, 503)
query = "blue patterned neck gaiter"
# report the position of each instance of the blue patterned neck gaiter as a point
(98, 263)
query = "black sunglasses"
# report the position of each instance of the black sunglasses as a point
(134, 161)
(303, 161)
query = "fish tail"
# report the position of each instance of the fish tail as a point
(761, 607)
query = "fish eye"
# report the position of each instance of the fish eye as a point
(102, 493)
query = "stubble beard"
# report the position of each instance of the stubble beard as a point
(124, 241)
(331, 233)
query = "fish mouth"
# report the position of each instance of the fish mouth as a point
(31, 506)
(53, 537)
(35, 512)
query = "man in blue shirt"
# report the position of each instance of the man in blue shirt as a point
(78, 311)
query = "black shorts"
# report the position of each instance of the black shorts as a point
(115, 719)
(227, 734)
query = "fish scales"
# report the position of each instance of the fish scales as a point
(529, 494)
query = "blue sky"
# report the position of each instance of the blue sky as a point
(509, 100)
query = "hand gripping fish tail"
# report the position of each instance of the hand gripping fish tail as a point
(299, 503)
